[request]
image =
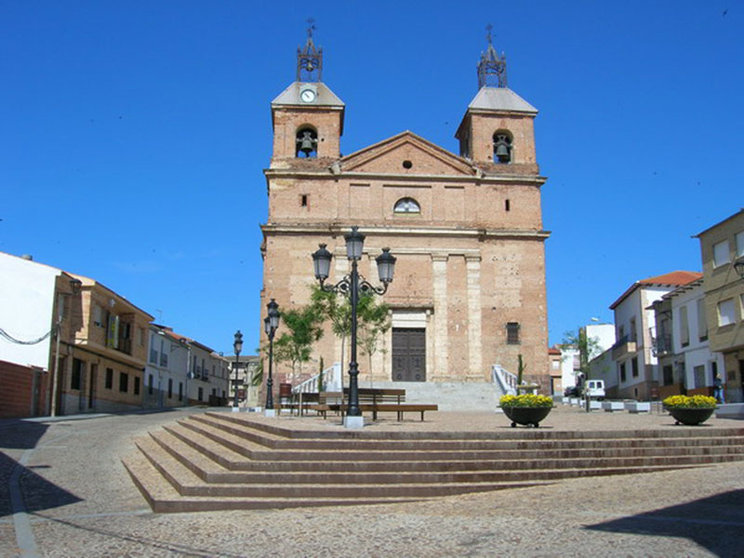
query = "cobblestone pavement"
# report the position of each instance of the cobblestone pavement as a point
(65, 493)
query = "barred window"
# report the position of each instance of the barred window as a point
(512, 333)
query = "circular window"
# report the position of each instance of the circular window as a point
(407, 164)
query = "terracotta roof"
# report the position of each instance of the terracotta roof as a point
(673, 279)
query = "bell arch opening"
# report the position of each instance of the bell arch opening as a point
(306, 143)
(502, 147)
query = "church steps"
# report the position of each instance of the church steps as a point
(504, 470)
(519, 435)
(209, 463)
(164, 498)
(387, 442)
(428, 461)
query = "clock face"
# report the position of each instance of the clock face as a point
(307, 95)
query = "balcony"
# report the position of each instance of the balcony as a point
(662, 345)
(623, 347)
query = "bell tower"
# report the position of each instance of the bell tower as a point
(497, 131)
(307, 117)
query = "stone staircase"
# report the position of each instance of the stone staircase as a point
(224, 461)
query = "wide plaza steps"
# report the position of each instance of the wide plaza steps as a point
(225, 461)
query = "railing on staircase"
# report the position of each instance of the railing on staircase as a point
(331, 381)
(504, 379)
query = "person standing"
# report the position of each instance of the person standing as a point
(718, 388)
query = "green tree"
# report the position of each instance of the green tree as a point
(372, 319)
(374, 324)
(295, 345)
(588, 348)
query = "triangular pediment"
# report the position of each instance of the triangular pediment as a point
(407, 154)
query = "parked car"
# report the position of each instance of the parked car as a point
(595, 389)
(572, 391)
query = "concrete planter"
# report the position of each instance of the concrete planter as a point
(611, 406)
(574, 401)
(690, 416)
(638, 406)
(594, 404)
(526, 415)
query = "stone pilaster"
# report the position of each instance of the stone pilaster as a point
(475, 368)
(441, 336)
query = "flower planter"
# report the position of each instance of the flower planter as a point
(638, 406)
(690, 416)
(610, 406)
(526, 415)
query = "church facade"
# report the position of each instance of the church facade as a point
(466, 229)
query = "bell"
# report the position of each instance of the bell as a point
(307, 143)
(502, 151)
(307, 146)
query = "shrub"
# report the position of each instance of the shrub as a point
(690, 402)
(526, 400)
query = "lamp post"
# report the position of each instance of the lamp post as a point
(739, 266)
(238, 346)
(351, 285)
(271, 323)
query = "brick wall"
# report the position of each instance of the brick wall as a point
(23, 391)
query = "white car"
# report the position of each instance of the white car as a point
(595, 389)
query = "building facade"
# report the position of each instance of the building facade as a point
(722, 248)
(469, 285)
(91, 341)
(681, 343)
(633, 355)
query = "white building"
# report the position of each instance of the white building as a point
(30, 307)
(635, 362)
(600, 337)
(691, 366)
(182, 371)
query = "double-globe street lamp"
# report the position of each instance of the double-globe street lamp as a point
(350, 286)
(237, 346)
(271, 323)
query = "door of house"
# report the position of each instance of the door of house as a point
(92, 385)
(409, 355)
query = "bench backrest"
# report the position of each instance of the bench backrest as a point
(379, 395)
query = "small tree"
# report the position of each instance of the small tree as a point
(588, 348)
(295, 346)
(520, 369)
(372, 319)
(374, 324)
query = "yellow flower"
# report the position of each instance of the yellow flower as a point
(525, 400)
(690, 401)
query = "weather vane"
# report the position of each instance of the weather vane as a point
(310, 28)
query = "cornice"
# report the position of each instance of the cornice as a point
(339, 229)
(529, 180)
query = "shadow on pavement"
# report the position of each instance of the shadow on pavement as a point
(38, 493)
(715, 523)
(20, 434)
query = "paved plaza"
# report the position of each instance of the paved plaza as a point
(64, 492)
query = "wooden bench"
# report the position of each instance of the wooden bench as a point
(371, 400)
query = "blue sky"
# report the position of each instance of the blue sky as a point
(134, 134)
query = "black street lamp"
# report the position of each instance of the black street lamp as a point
(739, 266)
(271, 323)
(350, 286)
(237, 346)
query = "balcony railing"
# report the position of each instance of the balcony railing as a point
(623, 346)
(662, 345)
